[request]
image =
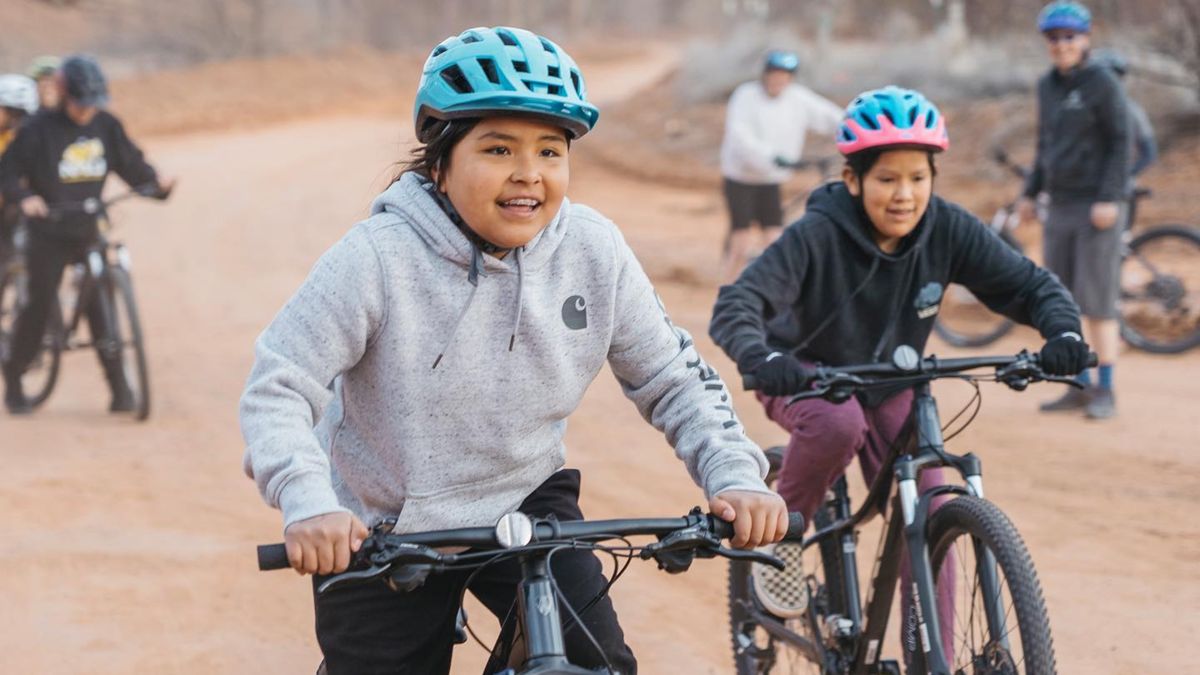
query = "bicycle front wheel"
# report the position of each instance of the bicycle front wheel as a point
(1160, 290)
(1000, 620)
(129, 336)
(41, 374)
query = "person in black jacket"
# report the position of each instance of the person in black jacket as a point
(1083, 164)
(62, 157)
(862, 272)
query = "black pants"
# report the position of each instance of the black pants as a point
(46, 258)
(372, 630)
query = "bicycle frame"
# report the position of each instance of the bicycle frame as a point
(862, 633)
(91, 289)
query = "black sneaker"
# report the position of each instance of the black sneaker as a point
(122, 400)
(14, 397)
(1074, 399)
(1102, 406)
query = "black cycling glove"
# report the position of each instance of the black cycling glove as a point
(782, 375)
(1066, 354)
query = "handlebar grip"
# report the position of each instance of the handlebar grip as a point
(795, 530)
(273, 557)
(749, 383)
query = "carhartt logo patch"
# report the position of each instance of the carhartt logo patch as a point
(574, 312)
(928, 300)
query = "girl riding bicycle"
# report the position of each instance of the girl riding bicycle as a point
(422, 376)
(862, 272)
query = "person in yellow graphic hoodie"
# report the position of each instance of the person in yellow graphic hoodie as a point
(59, 158)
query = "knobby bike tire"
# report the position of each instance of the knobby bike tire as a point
(1003, 324)
(984, 522)
(1187, 236)
(124, 304)
(52, 343)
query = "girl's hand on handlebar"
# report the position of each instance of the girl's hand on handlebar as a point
(323, 544)
(34, 206)
(1105, 214)
(758, 517)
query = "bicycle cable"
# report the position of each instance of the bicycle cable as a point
(571, 610)
(976, 400)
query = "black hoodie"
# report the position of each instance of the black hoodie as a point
(827, 293)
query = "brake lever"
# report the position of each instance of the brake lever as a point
(353, 578)
(751, 556)
(676, 551)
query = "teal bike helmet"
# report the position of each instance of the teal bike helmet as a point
(891, 117)
(486, 71)
(1065, 15)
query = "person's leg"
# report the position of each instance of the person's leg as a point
(739, 198)
(101, 318)
(1066, 221)
(1100, 253)
(44, 260)
(579, 577)
(824, 438)
(886, 426)
(768, 205)
(373, 630)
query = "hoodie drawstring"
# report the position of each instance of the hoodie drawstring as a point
(512, 340)
(473, 273)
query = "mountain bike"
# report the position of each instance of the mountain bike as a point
(810, 618)
(1159, 300)
(101, 276)
(404, 561)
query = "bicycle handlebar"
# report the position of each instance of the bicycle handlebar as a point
(1024, 366)
(92, 206)
(670, 531)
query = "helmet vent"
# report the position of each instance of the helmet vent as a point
(521, 66)
(489, 70)
(552, 71)
(441, 49)
(472, 38)
(507, 38)
(912, 116)
(454, 77)
(576, 83)
(555, 90)
(868, 122)
(549, 46)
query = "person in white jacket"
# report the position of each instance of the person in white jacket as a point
(765, 126)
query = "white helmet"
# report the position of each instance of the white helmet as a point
(18, 91)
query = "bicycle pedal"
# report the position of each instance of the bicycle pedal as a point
(783, 593)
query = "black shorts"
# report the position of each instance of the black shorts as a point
(753, 203)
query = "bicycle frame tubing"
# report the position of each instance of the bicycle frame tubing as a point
(91, 289)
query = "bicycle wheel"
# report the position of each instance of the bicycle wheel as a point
(794, 598)
(128, 331)
(41, 374)
(1000, 622)
(964, 321)
(1160, 290)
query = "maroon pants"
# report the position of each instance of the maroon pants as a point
(825, 437)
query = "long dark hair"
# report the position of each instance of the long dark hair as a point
(433, 157)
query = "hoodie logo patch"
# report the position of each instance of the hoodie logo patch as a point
(928, 300)
(574, 312)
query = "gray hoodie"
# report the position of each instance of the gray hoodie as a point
(345, 409)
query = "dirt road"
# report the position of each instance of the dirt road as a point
(130, 548)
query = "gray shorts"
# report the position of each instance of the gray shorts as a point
(1086, 259)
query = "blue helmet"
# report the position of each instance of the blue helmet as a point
(780, 59)
(1065, 15)
(487, 71)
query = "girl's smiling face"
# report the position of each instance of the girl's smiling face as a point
(507, 178)
(895, 193)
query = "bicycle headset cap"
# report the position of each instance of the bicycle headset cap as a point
(18, 91)
(780, 59)
(505, 71)
(85, 83)
(1065, 15)
(891, 117)
(42, 66)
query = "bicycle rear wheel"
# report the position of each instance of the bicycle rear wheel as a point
(1160, 290)
(964, 321)
(1000, 622)
(128, 333)
(41, 374)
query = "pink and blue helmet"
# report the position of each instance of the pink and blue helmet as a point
(891, 117)
(490, 71)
